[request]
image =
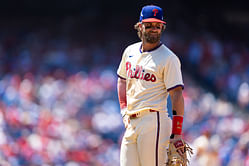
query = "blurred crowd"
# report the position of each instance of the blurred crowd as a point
(221, 64)
(59, 120)
(58, 102)
(218, 132)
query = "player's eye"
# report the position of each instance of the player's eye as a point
(150, 26)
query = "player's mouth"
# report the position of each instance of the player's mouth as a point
(153, 34)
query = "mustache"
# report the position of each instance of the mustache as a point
(152, 38)
(154, 32)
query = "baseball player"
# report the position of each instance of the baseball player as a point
(148, 73)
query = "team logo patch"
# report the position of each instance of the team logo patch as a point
(139, 73)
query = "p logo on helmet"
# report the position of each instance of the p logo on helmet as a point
(155, 11)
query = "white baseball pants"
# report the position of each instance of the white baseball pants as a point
(146, 140)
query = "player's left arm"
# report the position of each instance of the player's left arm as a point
(178, 113)
(177, 144)
(177, 100)
(174, 83)
(173, 80)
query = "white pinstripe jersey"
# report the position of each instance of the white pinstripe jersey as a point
(149, 76)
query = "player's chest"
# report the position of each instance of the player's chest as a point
(145, 67)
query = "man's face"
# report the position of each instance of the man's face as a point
(152, 31)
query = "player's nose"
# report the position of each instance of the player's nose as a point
(155, 28)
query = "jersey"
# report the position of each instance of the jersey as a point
(149, 77)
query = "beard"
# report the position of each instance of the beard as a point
(151, 37)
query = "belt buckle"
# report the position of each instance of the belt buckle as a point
(136, 115)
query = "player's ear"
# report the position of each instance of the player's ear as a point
(140, 26)
(164, 27)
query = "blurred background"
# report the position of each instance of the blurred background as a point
(58, 62)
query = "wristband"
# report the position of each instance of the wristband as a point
(177, 124)
(123, 111)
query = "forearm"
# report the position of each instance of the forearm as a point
(178, 110)
(121, 87)
(177, 103)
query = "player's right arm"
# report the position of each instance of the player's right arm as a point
(122, 93)
(121, 88)
(122, 100)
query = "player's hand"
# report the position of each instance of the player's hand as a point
(126, 120)
(178, 140)
(178, 151)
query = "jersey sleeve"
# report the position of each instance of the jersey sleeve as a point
(172, 73)
(121, 72)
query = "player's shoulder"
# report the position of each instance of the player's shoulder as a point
(134, 46)
(132, 49)
(167, 55)
(166, 51)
